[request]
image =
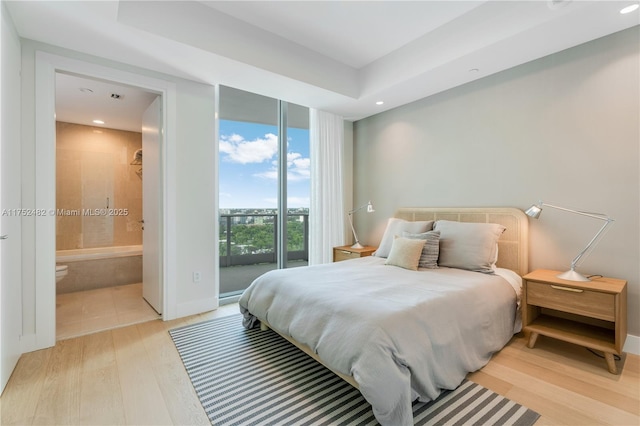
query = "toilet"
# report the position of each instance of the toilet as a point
(61, 272)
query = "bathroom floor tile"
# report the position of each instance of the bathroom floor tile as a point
(98, 311)
(101, 309)
(97, 297)
(68, 314)
(100, 323)
(68, 310)
(130, 317)
(68, 298)
(138, 304)
(131, 289)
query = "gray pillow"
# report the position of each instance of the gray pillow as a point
(470, 246)
(395, 227)
(431, 249)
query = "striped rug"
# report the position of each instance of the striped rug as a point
(253, 377)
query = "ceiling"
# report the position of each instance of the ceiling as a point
(82, 100)
(338, 56)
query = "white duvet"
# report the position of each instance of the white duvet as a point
(401, 334)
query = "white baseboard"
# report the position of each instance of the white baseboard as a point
(196, 307)
(632, 344)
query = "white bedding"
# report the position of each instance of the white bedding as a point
(401, 334)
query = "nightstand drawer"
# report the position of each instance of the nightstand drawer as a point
(593, 304)
(339, 255)
(348, 252)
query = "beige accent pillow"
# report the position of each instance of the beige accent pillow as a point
(395, 227)
(466, 245)
(405, 253)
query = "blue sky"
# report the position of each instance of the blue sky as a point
(248, 173)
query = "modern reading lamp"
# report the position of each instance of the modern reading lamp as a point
(370, 209)
(571, 275)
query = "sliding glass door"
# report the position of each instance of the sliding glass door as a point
(264, 187)
(298, 185)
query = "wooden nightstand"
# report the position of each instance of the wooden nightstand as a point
(591, 313)
(346, 252)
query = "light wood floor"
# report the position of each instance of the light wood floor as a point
(133, 375)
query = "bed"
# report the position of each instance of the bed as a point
(397, 329)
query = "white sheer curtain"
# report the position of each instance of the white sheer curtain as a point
(326, 215)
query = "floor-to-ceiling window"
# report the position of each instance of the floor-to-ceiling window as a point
(263, 187)
(298, 181)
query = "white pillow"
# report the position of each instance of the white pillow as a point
(471, 246)
(495, 259)
(397, 226)
(405, 253)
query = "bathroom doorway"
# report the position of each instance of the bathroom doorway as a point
(104, 199)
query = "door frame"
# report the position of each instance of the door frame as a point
(151, 217)
(46, 66)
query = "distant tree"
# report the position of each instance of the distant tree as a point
(260, 238)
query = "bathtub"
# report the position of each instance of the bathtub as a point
(93, 268)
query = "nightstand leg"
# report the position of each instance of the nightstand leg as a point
(532, 340)
(611, 363)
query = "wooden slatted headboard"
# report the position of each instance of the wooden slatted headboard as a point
(513, 246)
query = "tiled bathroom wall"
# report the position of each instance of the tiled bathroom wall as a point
(93, 173)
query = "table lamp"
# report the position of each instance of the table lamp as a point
(571, 275)
(370, 209)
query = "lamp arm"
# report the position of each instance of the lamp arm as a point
(350, 214)
(355, 237)
(608, 221)
(593, 215)
(357, 209)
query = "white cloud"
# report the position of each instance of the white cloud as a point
(298, 168)
(239, 150)
(269, 174)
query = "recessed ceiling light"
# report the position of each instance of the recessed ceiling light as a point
(474, 70)
(98, 121)
(379, 102)
(629, 8)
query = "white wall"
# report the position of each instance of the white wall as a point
(564, 129)
(195, 205)
(197, 197)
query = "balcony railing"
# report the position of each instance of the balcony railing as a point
(249, 249)
(254, 252)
